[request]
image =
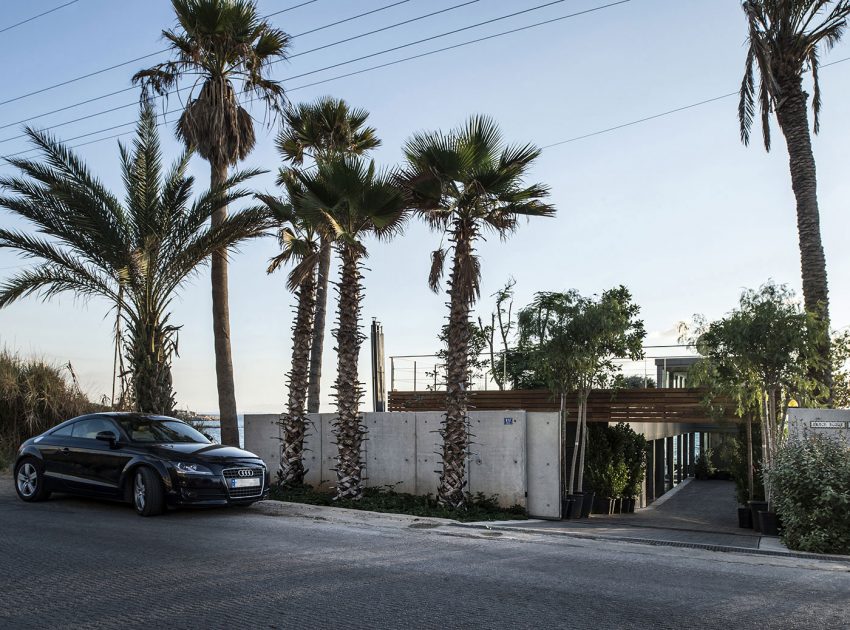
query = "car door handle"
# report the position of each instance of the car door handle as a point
(65, 451)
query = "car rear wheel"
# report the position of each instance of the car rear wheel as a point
(148, 496)
(29, 480)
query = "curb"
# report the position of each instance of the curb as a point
(666, 543)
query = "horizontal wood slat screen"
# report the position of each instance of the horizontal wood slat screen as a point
(604, 405)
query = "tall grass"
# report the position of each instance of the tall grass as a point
(34, 396)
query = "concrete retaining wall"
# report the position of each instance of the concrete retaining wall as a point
(513, 455)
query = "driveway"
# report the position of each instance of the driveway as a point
(72, 563)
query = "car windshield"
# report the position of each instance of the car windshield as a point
(160, 430)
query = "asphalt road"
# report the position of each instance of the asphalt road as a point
(75, 563)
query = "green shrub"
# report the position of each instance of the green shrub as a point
(615, 460)
(34, 396)
(811, 493)
(739, 466)
(704, 467)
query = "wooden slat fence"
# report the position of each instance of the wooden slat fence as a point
(623, 405)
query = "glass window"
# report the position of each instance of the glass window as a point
(89, 428)
(64, 431)
(160, 430)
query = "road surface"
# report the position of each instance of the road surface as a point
(74, 563)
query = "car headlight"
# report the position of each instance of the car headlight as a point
(184, 468)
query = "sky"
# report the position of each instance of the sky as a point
(675, 208)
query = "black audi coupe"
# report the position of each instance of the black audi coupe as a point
(150, 461)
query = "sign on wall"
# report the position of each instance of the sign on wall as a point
(833, 423)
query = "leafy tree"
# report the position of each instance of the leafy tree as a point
(136, 254)
(786, 38)
(318, 132)
(762, 355)
(222, 45)
(575, 341)
(462, 184)
(357, 202)
(300, 248)
(633, 381)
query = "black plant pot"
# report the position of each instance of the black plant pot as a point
(755, 508)
(603, 506)
(578, 503)
(566, 505)
(745, 518)
(587, 504)
(768, 523)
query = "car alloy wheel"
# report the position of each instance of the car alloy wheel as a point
(27, 480)
(139, 491)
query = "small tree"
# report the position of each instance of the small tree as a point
(763, 354)
(501, 319)
(576, 341)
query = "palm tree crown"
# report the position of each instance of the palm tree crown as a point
(219, 42)
(785, 38)
(135, 253)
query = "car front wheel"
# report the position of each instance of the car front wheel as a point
(148, 496)
(29, 480)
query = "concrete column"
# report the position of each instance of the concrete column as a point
(660, 488)
(680, 460)
(692, 454)
(670, 462)
(685, 460)
(649, 483)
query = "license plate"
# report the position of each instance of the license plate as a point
(245, 483)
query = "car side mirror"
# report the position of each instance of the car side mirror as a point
(107, 436)
(209, 437)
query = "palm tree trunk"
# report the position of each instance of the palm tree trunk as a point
(454, 431)
(318, 341)
(221, 325)
(294, 422)
(794, 121)
(150, 365)
(348, 427)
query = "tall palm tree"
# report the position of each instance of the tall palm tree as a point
(221, 45)
(357, 202)
(318, 131)
(300, 248)
(136, 254)
(464, 183)
(786, 38)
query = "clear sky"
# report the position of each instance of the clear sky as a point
(675, 208)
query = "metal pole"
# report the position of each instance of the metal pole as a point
(414, 376)
(392, 373)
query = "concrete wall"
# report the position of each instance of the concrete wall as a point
(513, 455)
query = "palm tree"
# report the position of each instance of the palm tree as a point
(786, 38)
(219, 44)
(356, 201)
(136, 254)
(320, 130)
(462, 184)
(300, 248)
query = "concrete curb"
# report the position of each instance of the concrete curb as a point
(663, 543)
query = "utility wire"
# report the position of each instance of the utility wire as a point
(117, 65)
(349, 61)
(35, 17)
(342, 76)
(128, 89)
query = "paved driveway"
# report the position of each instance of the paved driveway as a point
(71, 563)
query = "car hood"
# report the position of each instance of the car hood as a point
(201, 452)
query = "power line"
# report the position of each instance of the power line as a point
(350, 61)
(662, 114)
(35, 17)
(117, 65)
(372, 68)
(128, 89)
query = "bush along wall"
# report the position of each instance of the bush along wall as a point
(811, 494)
(616, 463)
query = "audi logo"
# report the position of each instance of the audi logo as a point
(246, 473)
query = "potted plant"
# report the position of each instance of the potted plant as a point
(704, 468)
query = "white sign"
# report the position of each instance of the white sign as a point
(834, 423)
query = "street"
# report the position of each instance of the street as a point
(76, 563)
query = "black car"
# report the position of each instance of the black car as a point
(151, 461)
